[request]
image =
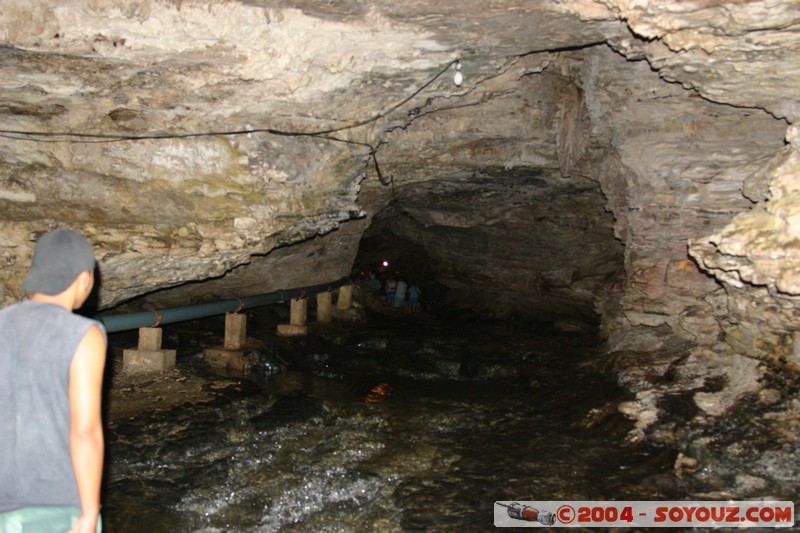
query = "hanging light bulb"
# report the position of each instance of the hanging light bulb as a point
(458, 79)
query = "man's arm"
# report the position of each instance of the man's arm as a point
(86, 424)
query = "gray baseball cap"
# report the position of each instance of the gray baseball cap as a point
(58, 258)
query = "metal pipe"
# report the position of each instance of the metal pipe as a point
(169, 315)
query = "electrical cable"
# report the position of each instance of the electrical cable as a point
(378, 170)
(94, 138)
(325, 133)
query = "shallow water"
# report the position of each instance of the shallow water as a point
(406, 425)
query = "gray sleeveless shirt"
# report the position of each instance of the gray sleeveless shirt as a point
(37, 343)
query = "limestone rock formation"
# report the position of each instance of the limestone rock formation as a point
(624, 161)
(755, 257)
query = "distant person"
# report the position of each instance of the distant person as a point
(51, 376)
(400, 294)
(413, 298)
(391, 289)
(373, 282)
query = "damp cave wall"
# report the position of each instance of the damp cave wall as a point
(610, 182)
(584, 208)
(591, 168)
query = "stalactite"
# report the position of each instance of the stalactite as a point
(570, 141)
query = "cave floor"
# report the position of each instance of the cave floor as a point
(130, 396)
(365, 427)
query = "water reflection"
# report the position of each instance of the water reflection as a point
(412, 426)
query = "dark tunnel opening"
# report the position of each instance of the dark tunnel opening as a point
(384, 255)
(525, 245)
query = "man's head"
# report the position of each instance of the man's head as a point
(59, 257)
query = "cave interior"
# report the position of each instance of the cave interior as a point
(632, 167)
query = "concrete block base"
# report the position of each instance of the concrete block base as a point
(352, 314)
(292, 330)
(230, 361)
(145, 361)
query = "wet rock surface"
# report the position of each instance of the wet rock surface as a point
(732, 421)
(683, 423)
(376, 425)
(700, 424)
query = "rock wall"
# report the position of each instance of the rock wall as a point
(708, 251)
(180, 137)
(220, 132)
(675, 172)
(756, 259)
(483, 185)
(162, 213)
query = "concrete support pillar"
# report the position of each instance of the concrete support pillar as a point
(298, 312)
(148, 357)
(324, 307)
(297, 319)
(231, 358)
(235, 331)
(345, 300)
